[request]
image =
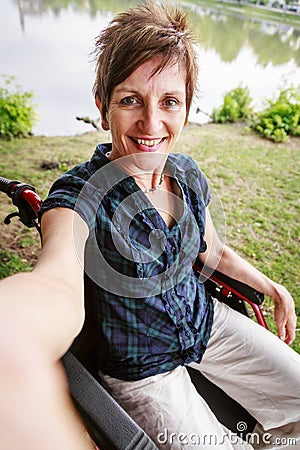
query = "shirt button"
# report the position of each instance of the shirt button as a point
(187, 334)
(194, 329)
(157, 233)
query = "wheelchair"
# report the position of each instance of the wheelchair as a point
(110, 427)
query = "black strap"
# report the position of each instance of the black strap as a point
(109, 425)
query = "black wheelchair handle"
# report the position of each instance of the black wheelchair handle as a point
(5, 185)
(25, 199)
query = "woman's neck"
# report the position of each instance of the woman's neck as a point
(149, 182)
(146, 169)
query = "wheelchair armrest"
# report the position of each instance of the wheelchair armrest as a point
(238, 288)
(232, 292)
(108, 424)
(242, 288)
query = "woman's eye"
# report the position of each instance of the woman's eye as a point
(171, 102)
(129, 101)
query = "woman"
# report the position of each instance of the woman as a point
(140, 216)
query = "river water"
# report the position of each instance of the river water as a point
(47, 45)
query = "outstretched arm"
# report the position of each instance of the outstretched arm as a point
(224, 259)
(49, 300)
(40, 314)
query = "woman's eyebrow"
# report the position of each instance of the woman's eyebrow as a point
(175, 93)
(134, 91)
(125, 89)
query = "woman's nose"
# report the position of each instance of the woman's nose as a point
(151, 121)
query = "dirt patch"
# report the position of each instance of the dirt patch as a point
(17, 239)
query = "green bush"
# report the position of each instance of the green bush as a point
(282, 116)
(17, 113)
(236, 106)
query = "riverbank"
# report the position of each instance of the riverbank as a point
(256, 183)
(254, 11)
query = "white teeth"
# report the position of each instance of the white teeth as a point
(151, 143)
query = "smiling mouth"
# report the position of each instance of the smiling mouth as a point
(148, 142)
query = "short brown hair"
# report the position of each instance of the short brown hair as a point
(138, 35)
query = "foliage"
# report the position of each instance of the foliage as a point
(282, 116)
(277, 121)
(17, 114)
(236, 106)
(259, 2)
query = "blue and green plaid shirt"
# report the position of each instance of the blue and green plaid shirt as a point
(150, 312)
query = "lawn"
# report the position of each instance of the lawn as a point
(254, 183)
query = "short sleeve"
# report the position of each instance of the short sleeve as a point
(74, 191)
(189, 173)
(203, 186)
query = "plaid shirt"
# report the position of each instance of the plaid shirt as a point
(149, 311)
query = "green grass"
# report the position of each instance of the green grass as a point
(256, 183)
(12, 263)
(256, 186)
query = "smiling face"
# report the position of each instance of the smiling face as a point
(147, 111)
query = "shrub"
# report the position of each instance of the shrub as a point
(17, 113)
(236, 106)
(282, 116)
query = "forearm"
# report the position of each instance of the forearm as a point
(48, 308)
(231, 264)
(284, 313)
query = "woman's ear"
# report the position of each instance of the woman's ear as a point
(98, 103)
(104, 122)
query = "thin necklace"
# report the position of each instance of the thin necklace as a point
(162, 177)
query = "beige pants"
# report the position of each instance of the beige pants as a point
(249, 363)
